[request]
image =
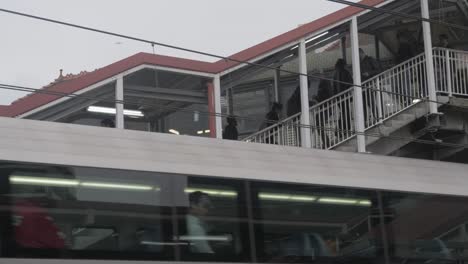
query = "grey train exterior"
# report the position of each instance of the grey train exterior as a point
(79, 194)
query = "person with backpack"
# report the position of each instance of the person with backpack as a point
(230, 131)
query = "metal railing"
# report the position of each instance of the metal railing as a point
(384, 96)
(451, 71)
(394, 90)
(332, 120)
(286, 133)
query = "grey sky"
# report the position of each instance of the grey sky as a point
(32, 52)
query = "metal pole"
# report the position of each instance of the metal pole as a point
(377, 47)
(448, 72)
(304, 86)
(229, 101)
(379, 102)
(277, 78)
(119, 97)
(217, 106)
(429, 57)
(343, 48)
(358, 102)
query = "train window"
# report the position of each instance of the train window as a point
(297, 223)
(97, 213)
(426, 228)
(212, 219)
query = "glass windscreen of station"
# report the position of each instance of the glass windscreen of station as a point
(75, 212)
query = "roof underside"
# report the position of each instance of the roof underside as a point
(33, 101)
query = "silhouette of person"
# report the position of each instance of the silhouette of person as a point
(230, 131)
(200, 205)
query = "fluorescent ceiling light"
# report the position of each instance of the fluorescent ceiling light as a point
(42, 181)
(156, 243)
(344, 201)
(206, 238)
(286, 197)
(105, 185)
(214, 192)
(207, 131)
(337, 200)
(113, 111)
(415, 101)
(317, 36)
(27, 180)
(309, 198)
(173, 131)
(200, 132)
(314, 38)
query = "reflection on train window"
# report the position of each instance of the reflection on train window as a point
(213, 220)
(297, 223)
(429, 228)
(77, 209)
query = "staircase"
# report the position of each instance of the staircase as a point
(392, 100)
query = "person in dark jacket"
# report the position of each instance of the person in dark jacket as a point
(294, 103)
(230, 131)
(272, 118)
(107, 123)
(342, 77)
(324, 92)
(405, 49)
(343, 81)
(444, 41)
(369, 66)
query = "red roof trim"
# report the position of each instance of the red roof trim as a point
(34, 101)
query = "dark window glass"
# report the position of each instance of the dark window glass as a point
(212, 220)
(72, 212)
(305, 223)
(426, 228)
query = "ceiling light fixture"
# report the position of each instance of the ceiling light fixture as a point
(113, 111)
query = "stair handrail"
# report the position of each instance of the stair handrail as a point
(383, 74)
(281, 122)
(278, 124)
(394, 68)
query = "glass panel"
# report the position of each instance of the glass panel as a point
(84, 212)
(426, 228)
(212, 220)
(302, 224)
(169, 102)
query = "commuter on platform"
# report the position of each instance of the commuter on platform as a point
(321, 118)
(343, 80)
(294, 103)
(342, 77)
(273, 116)
(107, 123)
(405, 49)
(444, 42)
(200, 205)
(230, 131)
(369, 66)
(324, 91)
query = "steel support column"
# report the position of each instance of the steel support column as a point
(277, 79)
(358, 102)
(217, 106)
(429, 57)
(304, 86)
(119, 105)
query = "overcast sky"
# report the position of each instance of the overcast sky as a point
(32, 52)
